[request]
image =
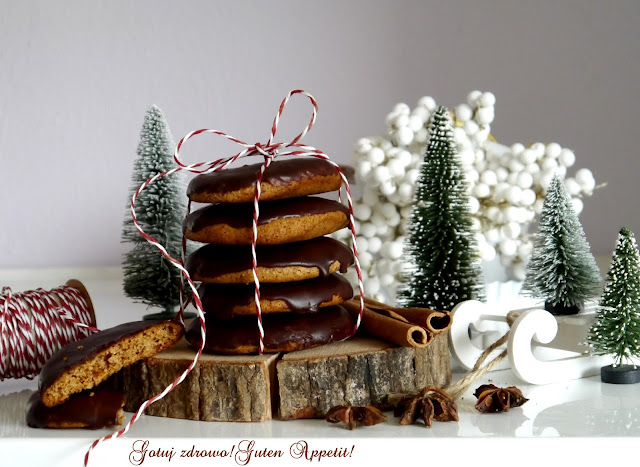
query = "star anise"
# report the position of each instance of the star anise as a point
(495, 399)
(355, 415)
(429, 404)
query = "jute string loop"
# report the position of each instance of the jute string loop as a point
(461, 386)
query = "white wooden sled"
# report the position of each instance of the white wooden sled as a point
(542, 348)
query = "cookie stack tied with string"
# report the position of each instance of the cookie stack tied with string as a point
(297, 266)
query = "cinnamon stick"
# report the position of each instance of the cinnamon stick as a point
(390, 314)
(434, 321)
(397, 331)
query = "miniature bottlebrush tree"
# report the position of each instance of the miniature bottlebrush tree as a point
(445, 265)
(160, 209)
(562, 271)
(616, 331)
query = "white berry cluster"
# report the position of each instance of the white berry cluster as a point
(507, 187)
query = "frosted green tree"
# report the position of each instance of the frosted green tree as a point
(562, 271)
(616, 331)
(148, 277)
(442, 249)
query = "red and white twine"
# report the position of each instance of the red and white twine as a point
(35, 324)
(269, 151)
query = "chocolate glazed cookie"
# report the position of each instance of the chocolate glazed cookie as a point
(88, 362)
(224, 301)
(283, 332)
(281, 221)
(282, 179)
(225, 264)
(94, 408)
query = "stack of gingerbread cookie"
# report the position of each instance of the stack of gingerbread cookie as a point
(297, 265)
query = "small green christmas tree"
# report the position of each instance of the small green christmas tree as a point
(616, 331)
(562, 271)
(441, 243)
(148, 276)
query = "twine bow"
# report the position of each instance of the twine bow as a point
(270, 151)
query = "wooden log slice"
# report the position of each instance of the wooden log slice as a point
(359, 371)
(220, 387)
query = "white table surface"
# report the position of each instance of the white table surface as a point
(584, 410)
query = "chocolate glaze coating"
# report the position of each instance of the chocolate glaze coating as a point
(215, 260)
(95, 408)
(77, 352)
(219, 300)
(283, 332)
(241, 215)
(279, 173)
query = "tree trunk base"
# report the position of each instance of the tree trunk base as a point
(561, 310)
(302, 384)
(359, 371)
(622, 374)
(219, 388)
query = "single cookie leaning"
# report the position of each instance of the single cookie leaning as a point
(283, 332)
(282, 179)
(224, 301)
(87, 362)
(282, 221)
(223, 264)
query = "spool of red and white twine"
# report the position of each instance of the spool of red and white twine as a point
(269, 151)
(36, 323)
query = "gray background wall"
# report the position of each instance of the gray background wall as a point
(76, 78)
